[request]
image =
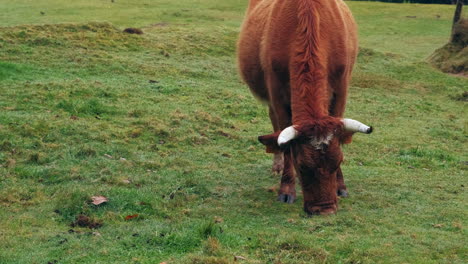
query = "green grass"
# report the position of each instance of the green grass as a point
(161, 125)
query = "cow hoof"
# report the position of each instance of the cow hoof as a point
(342, 193)
(286, 198)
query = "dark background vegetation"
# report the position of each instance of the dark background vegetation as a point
(449, 2)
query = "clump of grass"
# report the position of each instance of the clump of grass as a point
(90, 107)
(8, 70)
(72, 204)
(86, 152)
(420, 157)
(453, 57)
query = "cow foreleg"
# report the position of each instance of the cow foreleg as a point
(278, 161)
(339, 82)
(280, 115)
(287, 191)
(341, 187)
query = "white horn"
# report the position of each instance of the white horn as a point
(356, 126)
(287, 135)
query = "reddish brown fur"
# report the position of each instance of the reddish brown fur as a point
(297, 55)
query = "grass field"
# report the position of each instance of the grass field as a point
(161, 125)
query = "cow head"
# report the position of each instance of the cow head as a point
(316, 155)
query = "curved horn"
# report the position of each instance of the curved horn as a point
(356, 126)
(287, 135)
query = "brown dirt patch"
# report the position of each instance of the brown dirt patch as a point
(86, 221)
(133, 31)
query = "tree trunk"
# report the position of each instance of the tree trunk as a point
(457, 16)
(458, 11)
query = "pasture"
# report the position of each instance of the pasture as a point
(161, 125)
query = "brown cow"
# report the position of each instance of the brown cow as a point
(297, 55)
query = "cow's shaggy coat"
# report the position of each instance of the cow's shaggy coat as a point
(297, 55)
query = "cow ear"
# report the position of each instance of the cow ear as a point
(271, 142)
(346, 137)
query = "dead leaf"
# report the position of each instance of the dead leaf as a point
(97, 200)
(438, 225)
(272, 189)
(108, 156)
(457, 225)
(11, 163)
(186, 211)
(128, 217)
(236, 258)
(218, 219)
(126, 181)
(73, 117)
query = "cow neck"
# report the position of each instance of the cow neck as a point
(309, 93)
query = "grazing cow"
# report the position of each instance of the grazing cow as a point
(297, 55)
